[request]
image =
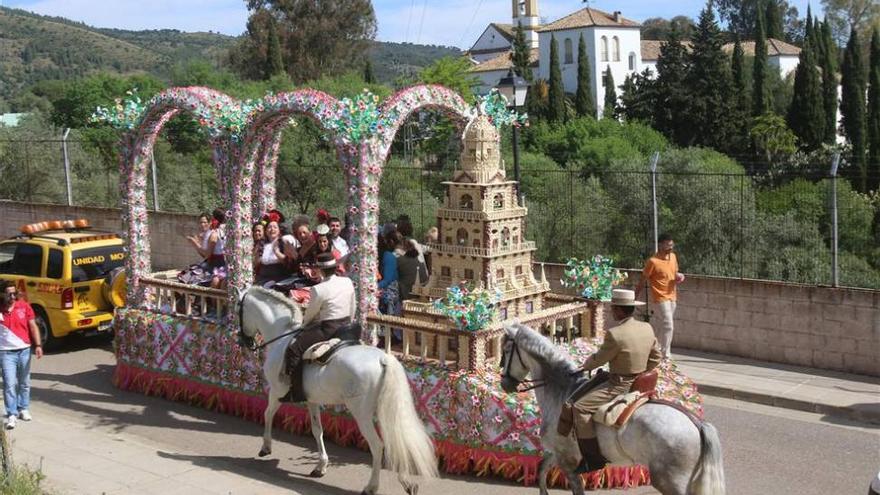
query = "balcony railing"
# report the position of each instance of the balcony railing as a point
(484, 252)
(192, 301)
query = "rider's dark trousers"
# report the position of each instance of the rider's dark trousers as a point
(314, 333)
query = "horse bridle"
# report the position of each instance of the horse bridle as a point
(250, 342)
(530, 384)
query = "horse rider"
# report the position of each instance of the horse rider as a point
(630, 348)
(331, 307)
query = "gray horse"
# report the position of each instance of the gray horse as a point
(684, 458)
(371, 384)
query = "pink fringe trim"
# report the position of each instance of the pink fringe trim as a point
(343, 430)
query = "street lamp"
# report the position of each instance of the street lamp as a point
(514, 88)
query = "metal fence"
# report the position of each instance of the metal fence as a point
(774, 226)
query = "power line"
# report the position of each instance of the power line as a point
(476, 10)
(422, 21)
(412, 7)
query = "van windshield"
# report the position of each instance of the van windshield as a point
(95, 263)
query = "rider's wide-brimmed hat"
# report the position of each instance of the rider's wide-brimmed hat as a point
(624, 297)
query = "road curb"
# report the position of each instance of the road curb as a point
(789, 403)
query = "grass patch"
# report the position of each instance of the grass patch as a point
(22, 481)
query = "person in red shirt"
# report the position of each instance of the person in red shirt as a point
(18, 331)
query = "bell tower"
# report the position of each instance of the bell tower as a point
(525, 12)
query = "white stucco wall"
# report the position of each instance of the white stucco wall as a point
(630, 43)
(786, 64)
(488, 80)
(491, 39)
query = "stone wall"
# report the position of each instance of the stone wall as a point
(167, 230)
(820, 327)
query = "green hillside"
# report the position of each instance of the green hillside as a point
(35, 48)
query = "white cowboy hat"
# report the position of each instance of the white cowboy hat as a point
(624, 297)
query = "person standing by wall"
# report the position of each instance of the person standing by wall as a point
(662, 277)
(18, 330)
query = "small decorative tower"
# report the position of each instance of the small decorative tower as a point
(481, 228)
(526, 13)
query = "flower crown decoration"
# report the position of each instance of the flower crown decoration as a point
(471, 309)
(272, 216)
(323, 216)
(593, 278)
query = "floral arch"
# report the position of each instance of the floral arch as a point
(245, 136)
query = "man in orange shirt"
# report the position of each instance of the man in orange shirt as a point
(662, 275)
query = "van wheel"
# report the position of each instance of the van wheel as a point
(46, 338)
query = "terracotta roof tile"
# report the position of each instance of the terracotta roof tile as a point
(651, 49)
(503, 61)
(775, 47)
(587, 18)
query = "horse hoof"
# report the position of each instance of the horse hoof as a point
(317, 473)
(264, 452)
(413, 490)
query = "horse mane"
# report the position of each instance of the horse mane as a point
(550, 357)
(279, 298)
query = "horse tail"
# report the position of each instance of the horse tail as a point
(709, 475)
(408, 447)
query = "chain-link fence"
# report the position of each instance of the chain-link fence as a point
(760, 224)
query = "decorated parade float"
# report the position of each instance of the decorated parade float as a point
(178, 341)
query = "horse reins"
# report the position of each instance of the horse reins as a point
(253, 346)
(530, 384)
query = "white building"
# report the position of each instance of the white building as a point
(611, 40)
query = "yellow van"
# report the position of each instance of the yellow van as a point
(72, 276)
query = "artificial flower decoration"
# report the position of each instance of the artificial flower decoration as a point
(471, 309)
(494, 106)
(593, 278)
(124, 114)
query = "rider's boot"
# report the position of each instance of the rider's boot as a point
(591, 458)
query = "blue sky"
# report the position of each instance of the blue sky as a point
(440, 22)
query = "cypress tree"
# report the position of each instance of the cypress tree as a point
(829, 82)
(741, 96)
(556, 109)
(874, 113)
(521, 53)
(274, 62)
(773, 18)
(671, 94)
(710, 86)
(809, 36)
(583, 101)
(760, 99)
(852, 106)
(369, 78)
(806, 116)
(609, 111)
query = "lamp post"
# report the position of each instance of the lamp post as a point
(514, 88)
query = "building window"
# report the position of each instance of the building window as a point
(499, 275)
(448, 240)
(476, 243)
(569, 56)
(530, 307)
(604, 48)
(503, 313)
(616, 41)
(505, 237)
(498, 201)
(468, 274)
(461, 237)
(519, 270)
(466, 202)
(632, 61)
(445, 271)
(495, 243)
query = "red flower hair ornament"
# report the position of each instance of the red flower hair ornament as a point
(272, 216)
(323, 216)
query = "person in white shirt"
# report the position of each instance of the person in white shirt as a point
(338, 242)
(331, 307)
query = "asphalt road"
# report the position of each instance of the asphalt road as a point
(767, 450)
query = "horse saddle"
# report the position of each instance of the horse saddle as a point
(618, 411)
(321, 352)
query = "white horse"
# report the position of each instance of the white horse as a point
(369, 382)
(683, 455)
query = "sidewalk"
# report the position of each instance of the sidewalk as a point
(826, 392)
